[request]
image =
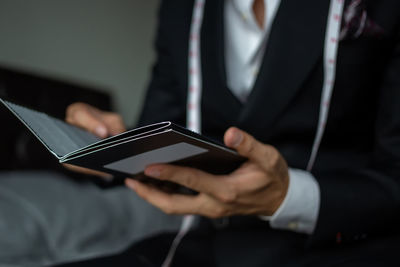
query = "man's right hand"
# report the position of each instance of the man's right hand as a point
(96, 121)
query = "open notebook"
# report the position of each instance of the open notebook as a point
(128, 153)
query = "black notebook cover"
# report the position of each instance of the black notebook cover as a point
(128, 153)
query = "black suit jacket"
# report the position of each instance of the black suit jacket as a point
(358, 164)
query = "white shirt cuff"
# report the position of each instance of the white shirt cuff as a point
(299, 210)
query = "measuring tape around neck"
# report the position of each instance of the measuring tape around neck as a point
(193, 119)
(330, 55)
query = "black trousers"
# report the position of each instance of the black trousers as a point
(213, 244)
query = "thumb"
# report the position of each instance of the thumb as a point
(246, 145)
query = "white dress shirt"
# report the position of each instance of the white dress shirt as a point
(245, 43)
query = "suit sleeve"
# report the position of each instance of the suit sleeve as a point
(165, 96)
(364, 203)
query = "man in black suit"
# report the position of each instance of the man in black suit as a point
(353, 188)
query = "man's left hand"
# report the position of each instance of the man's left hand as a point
(257, 187)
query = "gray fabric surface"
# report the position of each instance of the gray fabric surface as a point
(46, 219)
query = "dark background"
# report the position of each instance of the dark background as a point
(102, 44)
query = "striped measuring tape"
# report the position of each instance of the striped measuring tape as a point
(193, 119)
(330, 55)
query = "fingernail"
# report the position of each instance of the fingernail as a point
(237, 138)
(153, 172)
(101, 131)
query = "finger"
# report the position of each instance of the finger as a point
(247, 146)
(113, 122)
(219, 187)
(87, 171)
(84, 116)
(168, 203)
(189, 177)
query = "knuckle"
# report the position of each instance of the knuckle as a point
(228, 196)
(189, 179)
(74, 111)
(251, 145)
(273, 156)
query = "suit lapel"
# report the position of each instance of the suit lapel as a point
(216, 97)
(295, 44)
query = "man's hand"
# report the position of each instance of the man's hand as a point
(96, 121)
(258, 187)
